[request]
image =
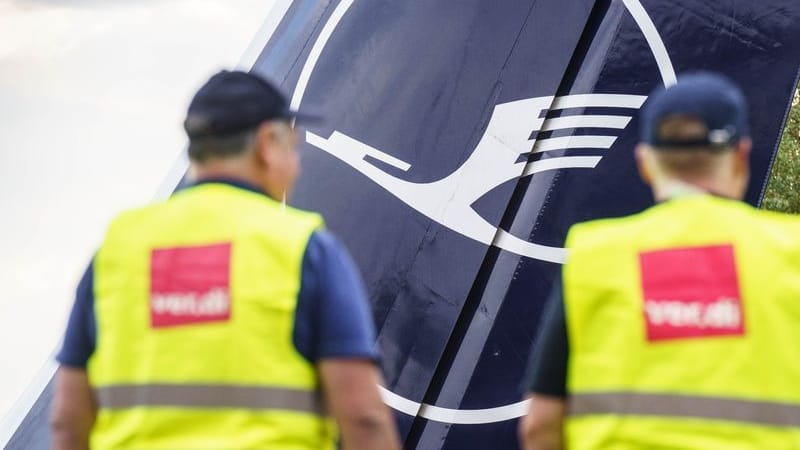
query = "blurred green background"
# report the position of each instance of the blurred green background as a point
(783, 190)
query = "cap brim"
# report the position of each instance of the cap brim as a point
(304, 118)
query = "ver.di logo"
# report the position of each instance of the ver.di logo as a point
(494, 161)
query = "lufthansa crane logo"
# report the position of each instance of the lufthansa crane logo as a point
(495, 160)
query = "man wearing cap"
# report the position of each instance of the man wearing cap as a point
(222, 318)
(676, 327)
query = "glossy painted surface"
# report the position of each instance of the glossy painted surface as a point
(418, 80)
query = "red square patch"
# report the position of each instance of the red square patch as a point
(190, 285)
(691, 293)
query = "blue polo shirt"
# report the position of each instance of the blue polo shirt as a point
(332, 319)
(547, 366)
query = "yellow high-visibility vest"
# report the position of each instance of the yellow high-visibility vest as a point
(194, 302)
(683, 325)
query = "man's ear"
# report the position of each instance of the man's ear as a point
(264, 141)
(741, 164)
(643, 163)
(743, 149)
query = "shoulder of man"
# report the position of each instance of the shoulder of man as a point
(311, 218)
(137, 212)
(784, 227)
(334, 318)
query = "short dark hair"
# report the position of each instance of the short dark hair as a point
(692, 163)
(698, 161)
(207, 147)
(687, 128)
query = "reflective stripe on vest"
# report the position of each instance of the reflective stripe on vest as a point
(208, 396)
(675, 405)
(680, 323)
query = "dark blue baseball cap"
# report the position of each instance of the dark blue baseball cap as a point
(711, 99)
(235, 101)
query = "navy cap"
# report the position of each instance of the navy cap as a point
(234, 101)
(711, 99)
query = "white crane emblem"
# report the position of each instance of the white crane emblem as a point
(495, 160)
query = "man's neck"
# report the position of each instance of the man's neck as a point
(223, 172)
(676, 188)
(672, 189)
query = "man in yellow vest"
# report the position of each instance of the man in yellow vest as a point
(676, 328)
(222, 319)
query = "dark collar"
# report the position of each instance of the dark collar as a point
(230, 181)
